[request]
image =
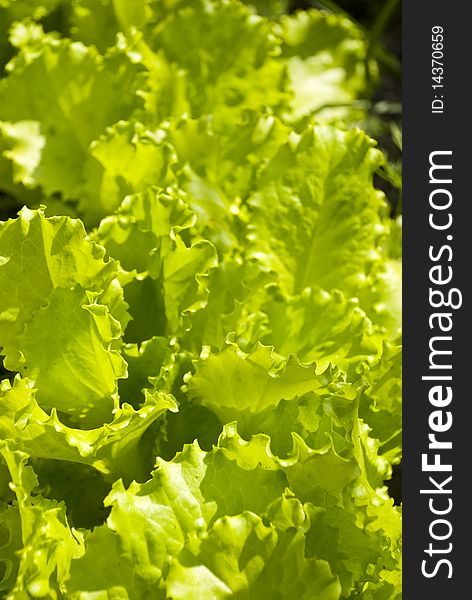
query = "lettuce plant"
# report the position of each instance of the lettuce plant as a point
(199, 306)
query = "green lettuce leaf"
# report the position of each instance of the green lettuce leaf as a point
(268, 8)
(54, 253)
(10, 543)
(241, 556)
(326, 57)
(164, 85)
(384, 299)
(117, 449)
(381, 402)
(201, 35)
(126, 159)
(151, 365)
(326, 218)
(78, 374)
(56, 306)
(217, 163)
(236, 292)
(347, 522)
(48, 543)
(173, 275)
(80, 99)
(183, 497)
(246, 387)
(135, 231)
(326, 328)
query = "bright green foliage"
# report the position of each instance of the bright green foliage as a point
(326, 217)
(323, 82)
(48, 544)
(125, 159)
(78, 94)
(200, 309)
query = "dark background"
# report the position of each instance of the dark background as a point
(424, 133)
